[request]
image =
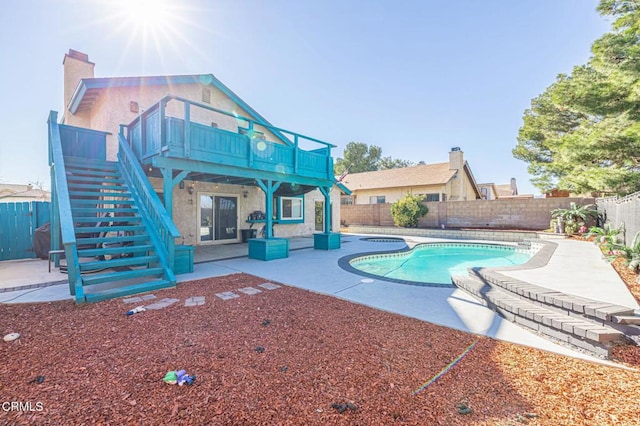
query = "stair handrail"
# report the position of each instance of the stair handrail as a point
(162, 223)
(63, 202)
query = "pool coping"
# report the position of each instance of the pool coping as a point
(538, 260)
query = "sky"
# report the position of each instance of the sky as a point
(415, 78)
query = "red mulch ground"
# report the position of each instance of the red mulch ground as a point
(103, 367)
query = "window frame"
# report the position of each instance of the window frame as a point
(280, 209)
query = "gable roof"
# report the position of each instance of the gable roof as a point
(88, 90)
(423, 174)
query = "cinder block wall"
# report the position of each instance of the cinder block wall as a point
(510, 213)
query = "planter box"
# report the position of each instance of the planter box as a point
(326, 241)
(268, 249)
(183, 260)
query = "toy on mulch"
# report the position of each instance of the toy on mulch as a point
(179, 377)
(136, 310)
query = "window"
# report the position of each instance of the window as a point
(377, 199)
(346, 200)
(432, 197)
(291, 208)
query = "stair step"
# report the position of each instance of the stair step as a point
(73, 172)
(84, 163)
(94, 179)
(128, 290)
(127, 261)
(76, 202)
(115, 250)
(120, 239)
(557, 325)
(121, 276)
(107, 219)
(100, 229)
(96, 186)
(124, 194)
(96, 210)
(580, 305)
(626, 319)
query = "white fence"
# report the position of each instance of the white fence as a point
(624, 212)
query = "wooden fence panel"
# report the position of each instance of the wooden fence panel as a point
(18, 222)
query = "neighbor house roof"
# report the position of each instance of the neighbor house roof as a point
(505, 190)
(424, 174)
(8, 190)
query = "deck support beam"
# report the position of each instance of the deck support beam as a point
(326, 240)
(168, 182)
(269, 187)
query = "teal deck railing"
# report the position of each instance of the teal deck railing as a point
(155, 133)
(62, 220)
(161, 228)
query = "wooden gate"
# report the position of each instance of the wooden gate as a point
(18, 222)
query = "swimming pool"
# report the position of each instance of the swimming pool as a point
(434, 263)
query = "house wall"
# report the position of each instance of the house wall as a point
(394, 194)
(511, 213)
(185, 209)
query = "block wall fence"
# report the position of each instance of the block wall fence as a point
(511, 213)
(622, 212)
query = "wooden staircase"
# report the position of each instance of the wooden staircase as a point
(116, 254)
(586, 324)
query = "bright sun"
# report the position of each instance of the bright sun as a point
(148, 16)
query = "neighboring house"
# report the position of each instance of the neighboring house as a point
(194, 198)
(488, 191)
(11, 193)
(450, 181)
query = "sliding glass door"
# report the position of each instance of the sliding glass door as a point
(218, 218)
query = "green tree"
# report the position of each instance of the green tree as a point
(359, 157)
(583, 133)
(393, 163)
(407, 211)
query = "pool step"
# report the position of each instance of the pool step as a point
(589, 308)
(579, 322)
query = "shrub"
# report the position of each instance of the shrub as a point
(408, 210)
(632, 253)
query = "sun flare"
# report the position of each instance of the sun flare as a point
(148, 16)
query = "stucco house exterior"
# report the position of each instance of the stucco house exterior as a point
(144, 168)
(451, 181)
(106, 103)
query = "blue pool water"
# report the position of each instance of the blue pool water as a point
(435, 263)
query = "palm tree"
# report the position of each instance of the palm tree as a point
(576, 213)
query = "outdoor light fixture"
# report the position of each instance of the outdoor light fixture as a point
(190, 189)
(181, 184)
(245, 194)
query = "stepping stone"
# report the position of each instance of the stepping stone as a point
(227, 295)
(139, 299)
(250, 290)
(194, 301)
(162, 303)
(269, 286)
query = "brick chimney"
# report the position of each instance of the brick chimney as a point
(76, 67)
